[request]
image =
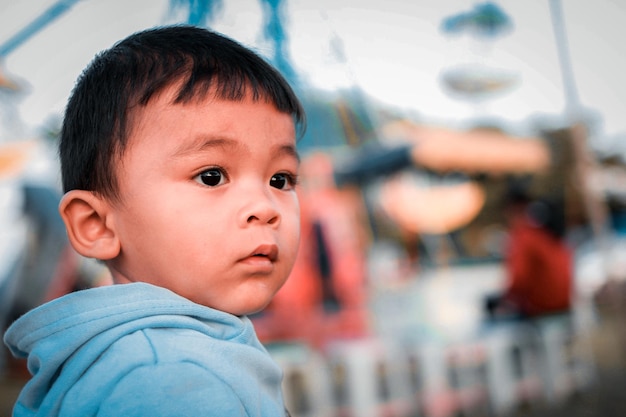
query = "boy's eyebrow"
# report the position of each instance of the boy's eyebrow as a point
(203, 143)
(207, 142)
(289, 150)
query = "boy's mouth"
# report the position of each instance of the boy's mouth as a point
(268, 251)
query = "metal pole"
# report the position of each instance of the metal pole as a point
(43, 20)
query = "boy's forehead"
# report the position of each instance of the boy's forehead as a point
(169, 96)
(216, 134)
(162, 101)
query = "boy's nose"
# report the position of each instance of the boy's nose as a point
(268, 216)
(260, 209)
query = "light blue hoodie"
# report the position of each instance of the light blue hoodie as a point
(140, 350)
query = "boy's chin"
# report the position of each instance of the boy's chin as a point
(241, 310)
(249, 311)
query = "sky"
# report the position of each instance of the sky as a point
(394, 50)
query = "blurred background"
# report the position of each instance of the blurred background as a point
(456, 152)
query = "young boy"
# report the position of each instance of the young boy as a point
(179, 166)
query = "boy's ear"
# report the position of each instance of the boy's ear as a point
(89, 223)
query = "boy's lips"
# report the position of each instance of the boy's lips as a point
(264, 252)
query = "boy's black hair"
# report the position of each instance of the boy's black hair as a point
(99, 112)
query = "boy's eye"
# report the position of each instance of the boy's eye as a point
(211, 177)
(283, 181)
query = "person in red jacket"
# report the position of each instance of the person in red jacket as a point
(538, 261)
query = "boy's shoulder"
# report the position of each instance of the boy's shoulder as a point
(181, 366)
(137, 340)
(81, 317)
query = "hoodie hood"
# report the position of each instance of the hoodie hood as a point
(83, 324)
